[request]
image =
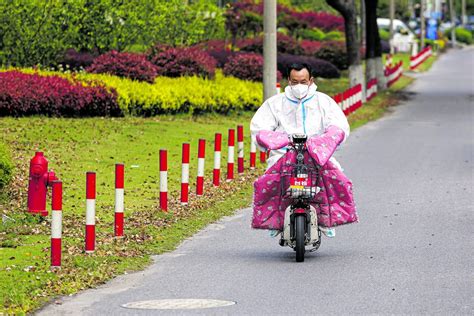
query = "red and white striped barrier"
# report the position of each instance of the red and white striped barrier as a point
(119, 199)
(263, 156)
(200, 171)
(278, 88)
(393, 74)
(56, 224)
(216, 173)
(339, 98)
(388, 61)
(230, 154)
(240, 149)
(185, 173)
(163, 180)
(350, 100)
(371, 89)
(253, 154)
(90, 211)
(417, 60)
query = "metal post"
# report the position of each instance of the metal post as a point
(269, 48)
(392, 16)
(422, 26)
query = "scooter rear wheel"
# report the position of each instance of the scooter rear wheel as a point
(300, 225)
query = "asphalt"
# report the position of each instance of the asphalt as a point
(411, 253)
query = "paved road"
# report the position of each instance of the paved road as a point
(410, 254)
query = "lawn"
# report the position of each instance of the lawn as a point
(75, 146)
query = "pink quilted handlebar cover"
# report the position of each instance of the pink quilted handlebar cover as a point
(272, 140)
(322, 147)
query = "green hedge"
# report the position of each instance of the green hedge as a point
(6, 166)
(462, 35)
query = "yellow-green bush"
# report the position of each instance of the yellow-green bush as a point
(173, 95)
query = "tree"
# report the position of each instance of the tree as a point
(347, 9)
(374, 65)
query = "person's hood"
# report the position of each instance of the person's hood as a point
(312, 91)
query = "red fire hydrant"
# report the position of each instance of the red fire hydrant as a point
(38, 183)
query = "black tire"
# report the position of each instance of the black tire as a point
(300, 225)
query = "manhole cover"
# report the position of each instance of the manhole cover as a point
(178, 304)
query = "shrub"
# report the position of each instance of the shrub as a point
(6, 166)
(384, 34)
(177, 62)
(310, 48)
(385, 47)
(128, 65)
(335, 36)
(221, 56)
(285, 44)
(462, 35)
(322, 20)
(30, 94)
(247, 66)
(314, 34)
(321, 68)
(333, 52)
(77, 60)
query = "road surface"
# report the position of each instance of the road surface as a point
(411, 253)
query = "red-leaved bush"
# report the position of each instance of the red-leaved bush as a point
(335, 52)
(310, 48)
(322, 20)
(129, 65)
(246, 66)
(186, 61)
(285, 44)
(29, 94)
(76, 60)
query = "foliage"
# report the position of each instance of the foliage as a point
(128, 65)
(75, 60)
(29, 94)
(246, 66)
(221, 56)
(313, 34)
(322, 20)
(335, 36)
(38, 32)
(187, 61)
(285, 44)
(321, 68)
(384, 34)
(333, 52)
(6, 166)
(462, 35)
(310, 48)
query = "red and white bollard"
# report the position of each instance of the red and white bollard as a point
(119, 199)
(240, 149)
(230, 154)
(200, 171)
(253, 154)
(163, 180)
(278, 88)
(185, 174)
(56, 224)
(216, 173)
(90, 211)
(263, 156)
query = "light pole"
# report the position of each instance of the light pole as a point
(269, 48)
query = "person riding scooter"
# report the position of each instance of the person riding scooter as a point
(300, 109)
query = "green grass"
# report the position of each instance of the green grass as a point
(405, 58)
(74, 146)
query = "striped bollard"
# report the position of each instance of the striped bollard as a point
(90, 211)
(119, 199)
(185, 174)
(263, 156)
(253, 154)
(56, 224)
(240, 149)
(163, 180)
(200, 171)
(230, 155)
(216, 173)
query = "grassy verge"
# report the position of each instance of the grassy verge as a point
(405, 58)
(74, 146)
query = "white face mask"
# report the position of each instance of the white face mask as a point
(300, 90)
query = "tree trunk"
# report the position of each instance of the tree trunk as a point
(348, 11)
(374, 65)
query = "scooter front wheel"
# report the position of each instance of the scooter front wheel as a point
(300, 227)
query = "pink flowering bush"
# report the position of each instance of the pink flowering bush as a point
(31, 94)
(247, 66)
(187, 61)
(129, 65)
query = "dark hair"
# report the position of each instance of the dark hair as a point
(298, 67)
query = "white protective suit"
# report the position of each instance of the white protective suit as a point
(310, 115)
